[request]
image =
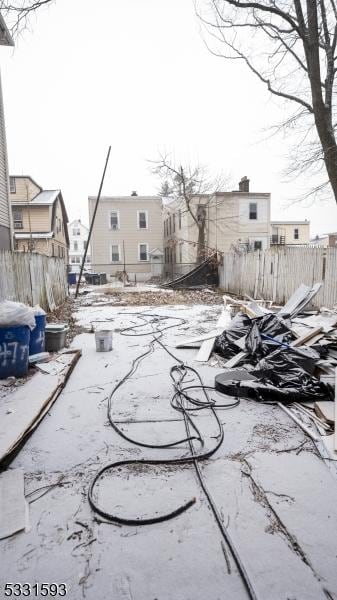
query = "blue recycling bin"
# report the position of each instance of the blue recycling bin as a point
(14, 351)
(72, 278)
(37, 335)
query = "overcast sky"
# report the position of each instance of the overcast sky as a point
(136, 74)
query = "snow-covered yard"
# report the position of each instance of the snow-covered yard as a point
(275, 496)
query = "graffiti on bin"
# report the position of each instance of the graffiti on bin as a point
(12, 351)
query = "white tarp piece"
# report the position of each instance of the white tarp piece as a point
(13, 314)
(13, 505)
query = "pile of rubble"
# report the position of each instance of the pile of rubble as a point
(282, 355)
(162, 297)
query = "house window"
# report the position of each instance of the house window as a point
(114, 220)
(12, 185)
(76, 232)
(84, 244)
(115, 253)
(17, 218)
(142, 219)
(72, 260)
(87, 259)
(296, 234)
(257, 245)
(53, 250)
(75, 246)
(253, 211)
(179, 217)
(143, 252)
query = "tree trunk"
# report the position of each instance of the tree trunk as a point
(201, 243)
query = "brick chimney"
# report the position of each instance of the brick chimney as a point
(244, 184)
(134, 193)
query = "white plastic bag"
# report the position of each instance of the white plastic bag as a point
(38, 311)
(16, 313)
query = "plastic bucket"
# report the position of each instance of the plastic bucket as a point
(37, 335)
(56, 337)
(103, 340)
(14, 351)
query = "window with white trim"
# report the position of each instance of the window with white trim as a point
(76, 232)
(143, 252)
(17, 218)
(114, 220)
(75, 246)
(142, 219)
(296, 233)
(12, 185)
(115, 253)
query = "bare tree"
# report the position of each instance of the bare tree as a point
(290, 46)
(195, 189)
(17, 13)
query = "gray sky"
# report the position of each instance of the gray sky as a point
(136, 74)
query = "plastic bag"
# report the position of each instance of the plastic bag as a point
(16, 313)
(239, 327)
(38, 311)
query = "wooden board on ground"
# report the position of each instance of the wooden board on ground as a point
(21, 411)
(306, 337)
(235, 360)
(207, 346)
(13, 505)
(196, 341)
(325, 410)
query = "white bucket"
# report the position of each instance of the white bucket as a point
(103, 340)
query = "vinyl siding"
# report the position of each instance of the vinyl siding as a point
(39, 217)
(4, 202)
(25, 190)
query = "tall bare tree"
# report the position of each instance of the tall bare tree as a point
(290, 46)
(195, 189)
(17, 13)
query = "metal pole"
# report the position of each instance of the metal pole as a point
(92, 222)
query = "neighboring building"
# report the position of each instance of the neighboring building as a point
(78, 236)
(39, 218)
(6, 241)
(237, 220)
(327, 240)
(290, 233)
(127, 229)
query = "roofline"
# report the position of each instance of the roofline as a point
(5, 33)
(135, 198)
(239, 193)
(290, 222)
(31, 179)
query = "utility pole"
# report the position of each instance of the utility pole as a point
(92, 221)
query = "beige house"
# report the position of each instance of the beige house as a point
(237, 220)
(127, 229)
(290, 233)
(5, 212)
(39, 218)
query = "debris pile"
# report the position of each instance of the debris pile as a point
(286, 355)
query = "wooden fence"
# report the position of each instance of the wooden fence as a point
(276, 273)
(33, 279)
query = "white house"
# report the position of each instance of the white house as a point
(78, 237)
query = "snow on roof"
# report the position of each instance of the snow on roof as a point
(46, 197)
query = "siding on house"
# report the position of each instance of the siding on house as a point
(25, 189)
(286, 231)
(5, 216)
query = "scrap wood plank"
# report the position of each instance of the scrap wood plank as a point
(326, 410)
(198, 338)
(232, 362)
(13, 505)
(28, 405)
(207, 346)
(307, 336)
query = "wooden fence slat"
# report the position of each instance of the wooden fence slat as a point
(33, 279)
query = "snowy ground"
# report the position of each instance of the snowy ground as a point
(275, 495)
